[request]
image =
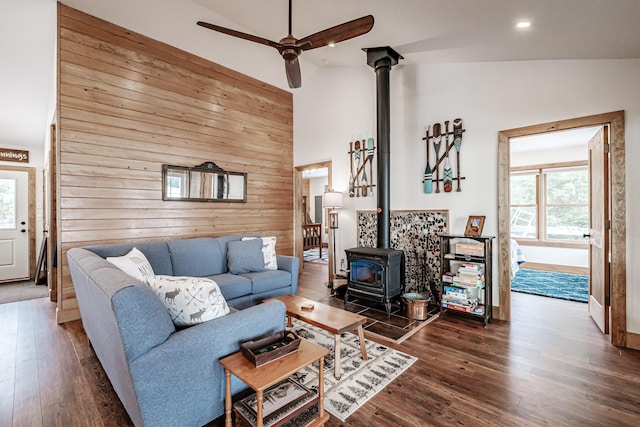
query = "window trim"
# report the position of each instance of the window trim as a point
(541, 203)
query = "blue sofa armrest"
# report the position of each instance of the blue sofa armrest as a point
(181, 382)
(292, 265)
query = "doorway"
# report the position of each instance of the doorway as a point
(314, 183)
(549, 203)
(617, 201)
(17, 223)
(304, 207)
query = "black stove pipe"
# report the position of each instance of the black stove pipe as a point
(382, 59)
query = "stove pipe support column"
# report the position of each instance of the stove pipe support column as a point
(381, 59)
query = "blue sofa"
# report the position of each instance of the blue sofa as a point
(166, 376)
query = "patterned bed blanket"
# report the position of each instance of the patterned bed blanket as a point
(517, 257)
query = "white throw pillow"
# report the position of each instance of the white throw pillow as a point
(268, 251)
(134, 263)
(190, 300)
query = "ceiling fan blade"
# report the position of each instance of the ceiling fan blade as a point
(292, 67)
(240, 35)
(339, 33)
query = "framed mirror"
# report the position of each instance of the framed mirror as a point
(203, 183)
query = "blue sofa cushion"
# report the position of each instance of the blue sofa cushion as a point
(157, 253)
(245, 256)
(142, 318)
(268, 280)
(232, 286)
(199, 257)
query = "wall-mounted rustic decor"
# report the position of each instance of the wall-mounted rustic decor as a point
(11, 155)
(414, 232)
(361, 153)
(441, 170)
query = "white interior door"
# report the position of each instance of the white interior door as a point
(599, 304)
(14, 222)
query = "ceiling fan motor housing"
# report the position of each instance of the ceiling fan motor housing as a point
(290, 54)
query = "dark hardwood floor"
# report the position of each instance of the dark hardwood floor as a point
(550, 366)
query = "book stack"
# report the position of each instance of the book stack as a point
(461, 299)
(473, 250)
(470, 274)
(462, 293)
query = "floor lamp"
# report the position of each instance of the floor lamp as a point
(333, 200)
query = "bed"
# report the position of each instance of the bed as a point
(517, 257)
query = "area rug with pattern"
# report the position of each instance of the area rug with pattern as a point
(313, 255)
(572, 287)
(360, 379)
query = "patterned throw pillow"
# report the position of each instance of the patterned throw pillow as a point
(268, 251)
(190, 300)
(134, 263)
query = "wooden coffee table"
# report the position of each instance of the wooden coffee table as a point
(262, 377)
(331, 319)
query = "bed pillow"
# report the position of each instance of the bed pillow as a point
(268, 252)
(134, 263)
(245, 256)
(189, 300)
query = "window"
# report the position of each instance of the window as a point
(550, 204)
(524, 210)
(8, 204)
(567, 204)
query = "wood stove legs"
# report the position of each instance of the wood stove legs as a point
(386, 302)
(387, 306)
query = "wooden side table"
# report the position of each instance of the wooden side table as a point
(262, 377)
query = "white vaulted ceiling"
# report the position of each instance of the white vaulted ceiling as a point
(423, 31)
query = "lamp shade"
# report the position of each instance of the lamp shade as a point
(332, 199)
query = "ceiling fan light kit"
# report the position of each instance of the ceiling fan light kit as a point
(290, 48)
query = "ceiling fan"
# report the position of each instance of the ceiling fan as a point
(290, 47)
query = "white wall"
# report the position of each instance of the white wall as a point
(489, 97)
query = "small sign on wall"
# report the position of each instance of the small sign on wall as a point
(10, 155)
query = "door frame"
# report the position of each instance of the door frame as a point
(298, 244)
(617, 176)
(31, 214)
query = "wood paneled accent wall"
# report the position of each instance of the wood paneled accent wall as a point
(126, 105)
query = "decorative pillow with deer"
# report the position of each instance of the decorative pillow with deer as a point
(190, 300)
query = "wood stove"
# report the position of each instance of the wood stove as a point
(375, 274)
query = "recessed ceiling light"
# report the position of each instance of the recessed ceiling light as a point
(523, 24)
(331, 44)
